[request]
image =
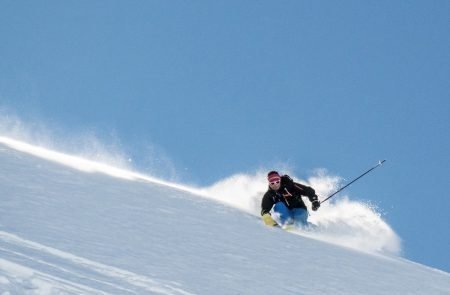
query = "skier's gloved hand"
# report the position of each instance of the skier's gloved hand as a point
(315, 205)
(268, 220)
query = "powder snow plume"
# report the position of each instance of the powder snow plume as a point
(340, 221)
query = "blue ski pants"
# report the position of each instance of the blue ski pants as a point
(285, 216)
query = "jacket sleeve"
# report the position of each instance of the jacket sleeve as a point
(266, 204)
(305, 190)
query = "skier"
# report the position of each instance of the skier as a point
(282, 204)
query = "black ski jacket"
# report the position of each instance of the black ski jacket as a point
(289, 193)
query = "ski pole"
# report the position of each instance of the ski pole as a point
(342, 188)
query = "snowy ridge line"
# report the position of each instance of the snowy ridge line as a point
(143, 282)
(430, 268)
(89, 166)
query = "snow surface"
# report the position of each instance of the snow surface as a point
(73, 226)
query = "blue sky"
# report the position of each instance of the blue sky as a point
(219, 88)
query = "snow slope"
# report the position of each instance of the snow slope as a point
(71, 226)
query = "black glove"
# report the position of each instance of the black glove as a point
(315, 205)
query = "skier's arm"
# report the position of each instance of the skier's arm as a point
(310, 193)
(305, 190)
(266, 204)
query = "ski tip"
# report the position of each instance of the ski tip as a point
(381, 162)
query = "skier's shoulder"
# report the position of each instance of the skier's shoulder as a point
(286, 179)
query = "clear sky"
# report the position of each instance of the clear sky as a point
(206, 89)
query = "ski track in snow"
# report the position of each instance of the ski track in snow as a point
(66, 273)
